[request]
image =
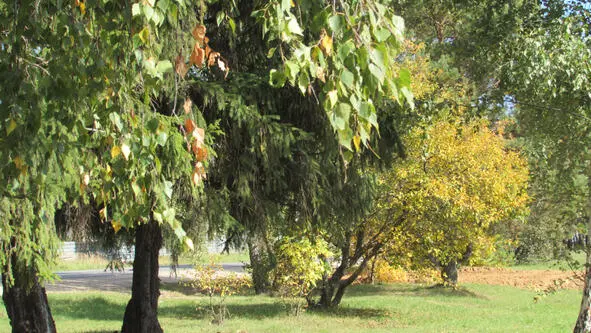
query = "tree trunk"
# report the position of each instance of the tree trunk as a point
(584, 320)
(141, 314)
(26, 304)
(260, 260)
(449, 273)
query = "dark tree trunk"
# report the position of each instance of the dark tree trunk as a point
(141, 314)
(449, 273)
(260, 260)
(26, 303)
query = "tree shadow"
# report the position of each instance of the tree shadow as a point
(350, 312)
(416, 290)
(95, 308)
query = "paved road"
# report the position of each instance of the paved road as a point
(119, 281)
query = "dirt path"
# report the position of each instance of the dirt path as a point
(528, 279)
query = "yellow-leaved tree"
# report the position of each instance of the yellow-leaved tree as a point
(457, 181)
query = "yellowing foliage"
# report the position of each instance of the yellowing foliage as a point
(458, 180)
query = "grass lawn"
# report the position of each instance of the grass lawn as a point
(86, 262)
(380, 308)
(552, 264)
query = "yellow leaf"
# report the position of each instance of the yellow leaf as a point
(115, 151)
(357, 142)
(11, 126)
(125, 150)
(326, 44)
(103, 213)
(116, 226)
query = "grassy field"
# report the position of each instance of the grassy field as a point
(380, 308)
(86, 262)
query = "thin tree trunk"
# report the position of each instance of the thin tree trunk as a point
(26, 302)
(260, 260)
(584, 320)
(141, 314)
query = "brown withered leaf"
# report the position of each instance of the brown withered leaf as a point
(187, 106)
(180, 66)
(201, 154)
(199, 32)
(189, 125)
(197, 56)
(212, 57)
(199, 135)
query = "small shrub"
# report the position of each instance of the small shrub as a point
(211, 280)
(299, 267)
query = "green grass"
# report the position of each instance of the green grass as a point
(551, 264)
(381, 308)
(87, 262)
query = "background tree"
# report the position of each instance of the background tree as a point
(457, 181)
(546, 68)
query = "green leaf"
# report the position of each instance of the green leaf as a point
(158, 217)
(347, 78)
(382, 34)
(148, 12)
(116, 120)
(162, 138)
(404, 79)
(11, 126)
(294, 27)
(169, 215)
(377, 72)
(232, 25)
(336, 23)
(340, 117)
(303, 82)
(220, 16)
(135, 9)
(276, 78)
(164, 66)
(333, 97)
(345, 137)
(168, 189)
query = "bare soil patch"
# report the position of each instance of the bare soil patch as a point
(527, 279)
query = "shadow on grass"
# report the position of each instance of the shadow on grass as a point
(350, 312)
(182, 288)
(405, 289)
(95, 308)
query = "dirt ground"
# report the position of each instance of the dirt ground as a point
(528, 279)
